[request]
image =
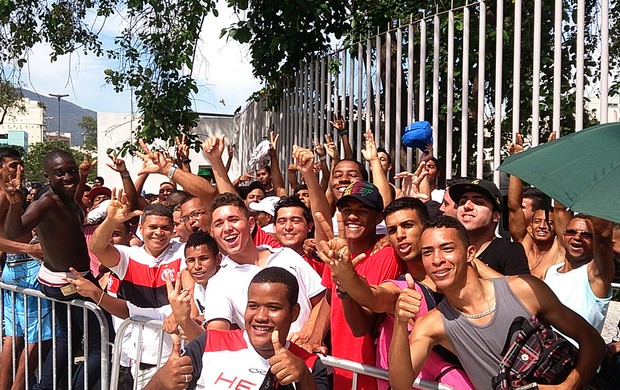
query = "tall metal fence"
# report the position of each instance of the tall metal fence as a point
(445, 65)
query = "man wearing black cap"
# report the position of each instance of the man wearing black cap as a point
(479, 210)
(361, 207)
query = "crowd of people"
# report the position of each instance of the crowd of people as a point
(256, 280)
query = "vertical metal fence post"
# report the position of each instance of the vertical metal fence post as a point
(465, 96)
(499, 50)
(481, 82)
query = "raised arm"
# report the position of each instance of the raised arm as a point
(341, 126)
(133, 198)
(155, 162)
(378, 176)
(118, 212)
(213, 147)
(276, 174)
(18, 223)
(305, 163)
(182, 154)
(602, 270)
(86, 167)
(319, 150)
(517, 224)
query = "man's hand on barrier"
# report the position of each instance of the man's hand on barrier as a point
(176, 373)
(170, 325)
(287, 367)
(84, 286)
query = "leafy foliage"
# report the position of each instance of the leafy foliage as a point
(283, 35)
(10, 99)
(89, 125)
(155, 51)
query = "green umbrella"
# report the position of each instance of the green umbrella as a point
(581, 170)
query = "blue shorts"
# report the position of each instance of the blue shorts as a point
(25, 275)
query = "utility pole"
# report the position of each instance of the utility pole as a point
(58, 96)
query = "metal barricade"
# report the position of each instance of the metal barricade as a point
(23, 294)
(376, 372)
(330, 361)
(138, 324)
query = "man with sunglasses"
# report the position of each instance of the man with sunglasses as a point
(583, 281)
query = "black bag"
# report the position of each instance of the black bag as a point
(533, 353)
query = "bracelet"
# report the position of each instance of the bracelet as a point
(171, 171)
(125, 174)
(100, 298)
(343, 132)
(187, 161)
(322, 158)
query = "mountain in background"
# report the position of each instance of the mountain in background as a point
(70, 115)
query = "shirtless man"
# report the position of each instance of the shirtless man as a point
(533, 228)
(57, 219)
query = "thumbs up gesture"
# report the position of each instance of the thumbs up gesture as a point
(408, 302)
(287, 367)
(176, 373)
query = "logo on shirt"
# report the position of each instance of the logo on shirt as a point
(169, 273)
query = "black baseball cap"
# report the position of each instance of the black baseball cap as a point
(483, 187)
(364, 192)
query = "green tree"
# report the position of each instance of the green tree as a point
(10, 98)
(33, 160)
(155, 51)
(89, 125)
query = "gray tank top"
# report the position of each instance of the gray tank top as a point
(479, 347)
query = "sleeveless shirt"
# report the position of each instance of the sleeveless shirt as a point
(479, 346)
(574, 291)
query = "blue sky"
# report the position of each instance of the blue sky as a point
(222, 69)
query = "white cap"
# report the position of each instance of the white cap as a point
(267, 205)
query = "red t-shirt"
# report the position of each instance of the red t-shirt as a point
(317, 265)
(376, 268)
(262, 238)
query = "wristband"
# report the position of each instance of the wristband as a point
(187, 161)
(100, 298)
(343, 132)
(322, 158)
(171, 171)
(125, 174)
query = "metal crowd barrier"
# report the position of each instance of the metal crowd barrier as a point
(86, 306)
(376, 372)
(138, 324)
(330, 361)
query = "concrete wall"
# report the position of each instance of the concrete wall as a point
(113, 129)
(32, 121)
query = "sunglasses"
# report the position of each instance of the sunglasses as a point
(582, 233)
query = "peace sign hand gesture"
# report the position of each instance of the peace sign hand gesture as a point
(87, 166)
(335, 252)
(12, 186)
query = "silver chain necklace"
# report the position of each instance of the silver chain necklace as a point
(476, 316)
(479, 315)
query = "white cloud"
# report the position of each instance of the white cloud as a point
(223, 71)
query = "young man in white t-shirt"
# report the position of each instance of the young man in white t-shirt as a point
(226, 293)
